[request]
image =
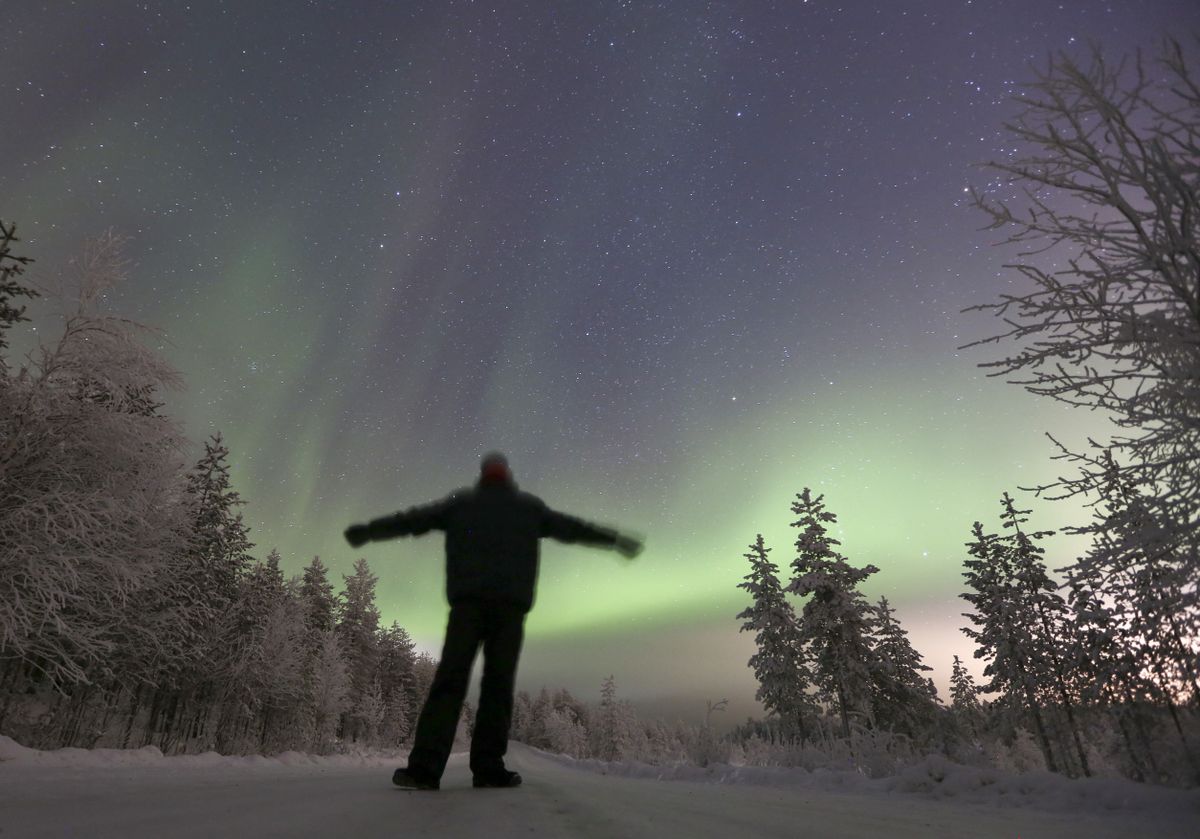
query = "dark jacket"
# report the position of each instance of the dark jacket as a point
(492, 532)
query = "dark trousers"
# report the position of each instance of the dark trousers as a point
(500, 628)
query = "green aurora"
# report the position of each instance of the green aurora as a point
(678, 263)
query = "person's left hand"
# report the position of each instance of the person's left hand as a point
(357, 535)
(629, 546)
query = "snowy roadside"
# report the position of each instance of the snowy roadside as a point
(12, 751)
(113, 794)
(935, 777)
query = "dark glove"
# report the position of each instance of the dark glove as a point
(358, 534)
(629, 546)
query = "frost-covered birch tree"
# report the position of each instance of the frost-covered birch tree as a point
(131, 611)
(90, 508)
(1103, 199)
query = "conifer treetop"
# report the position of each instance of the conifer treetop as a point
(817, 566)
(11, 269)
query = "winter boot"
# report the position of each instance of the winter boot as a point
(503, 778)
(405, 779)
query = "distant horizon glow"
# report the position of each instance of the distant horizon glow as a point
(677, 262)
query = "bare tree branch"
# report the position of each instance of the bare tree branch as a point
(1104, 205)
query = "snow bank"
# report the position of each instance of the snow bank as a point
(938, 777)
(11, 750)
(934, 777)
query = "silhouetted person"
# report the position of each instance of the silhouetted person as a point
(492, 532)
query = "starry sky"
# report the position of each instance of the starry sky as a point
(678, 260)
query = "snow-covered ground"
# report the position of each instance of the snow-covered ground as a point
(109, 793)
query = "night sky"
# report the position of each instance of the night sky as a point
(678, 260)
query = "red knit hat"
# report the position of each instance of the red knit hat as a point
(494, 468)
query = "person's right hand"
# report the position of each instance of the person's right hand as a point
(357, 535)
(629, 546)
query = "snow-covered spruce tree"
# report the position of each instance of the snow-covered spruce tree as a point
(1137, 612)
(536, 720)
(964, 697)
(1038, 596)
(663, 745)
(358, 627)
(320, 602)
(186, 709)
(565, 734)
(284, 675)
(12, 267)
(220, 539)
(607, 733)
(1110, 676)
(1020, 620)
(779, 665)
(570, 707)
(613, 734)
(552, 721)
(175, 630)
(519, 726)
(1003, 634)
(424, 669)
(1103, 204)
(89, 501)
(836, 622)
(904, 700)
(1048, 608)
(208, 587)
(1134, 558)
(264, 685)
(329, 692)
(394, 675)
(369, 714)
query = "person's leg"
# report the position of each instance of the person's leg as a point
(501, 649)
(439, 717)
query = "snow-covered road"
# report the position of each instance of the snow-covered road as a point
(172, 798)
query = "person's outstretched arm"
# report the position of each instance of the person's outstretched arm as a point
(567, 528)
(411, 522)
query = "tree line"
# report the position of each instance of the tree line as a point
(1094, 675)
(1100, 197)
(131, 609)
(611, 730)
(133, 612)
(1093, 670)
